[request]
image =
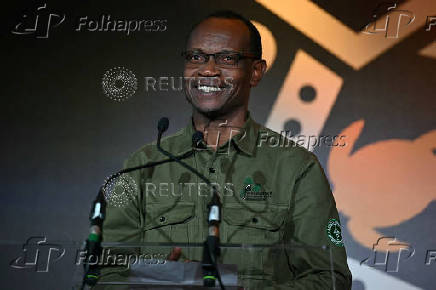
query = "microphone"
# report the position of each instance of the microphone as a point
(211, 246)
(163, 125)
(93, 243)
(98, 213)
(197, 140)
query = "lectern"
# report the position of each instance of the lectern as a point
(241, 266)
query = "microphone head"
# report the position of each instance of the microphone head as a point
(163, 124)
(197, 139)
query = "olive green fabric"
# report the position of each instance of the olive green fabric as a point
(273, 193)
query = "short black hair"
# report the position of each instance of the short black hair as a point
(255, 39)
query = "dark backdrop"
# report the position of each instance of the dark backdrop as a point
(61, 136)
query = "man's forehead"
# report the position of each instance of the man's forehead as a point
(216, 34)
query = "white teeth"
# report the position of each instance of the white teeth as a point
(208, 89)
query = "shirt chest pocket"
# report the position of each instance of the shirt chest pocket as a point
(168, 222)
(253, 225)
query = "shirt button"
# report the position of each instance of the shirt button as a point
(162, 219)
(212, 170)
(254, 220)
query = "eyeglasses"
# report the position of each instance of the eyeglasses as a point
(225, 59)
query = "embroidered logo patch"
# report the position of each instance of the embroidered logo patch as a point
(334, 232)
(251, 191)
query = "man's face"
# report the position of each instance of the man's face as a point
(219, 89)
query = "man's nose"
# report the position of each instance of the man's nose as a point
(209, 69)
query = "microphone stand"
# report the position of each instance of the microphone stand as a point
(96, 218)
(211, 247)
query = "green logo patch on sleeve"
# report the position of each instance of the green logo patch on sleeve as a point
(334, 232)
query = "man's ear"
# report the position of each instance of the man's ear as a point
(259, 68)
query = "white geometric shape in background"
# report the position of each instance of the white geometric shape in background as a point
(305, 71)
(375, 279)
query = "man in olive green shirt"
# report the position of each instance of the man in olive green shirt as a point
(271, 195)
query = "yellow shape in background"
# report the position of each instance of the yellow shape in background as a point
(355, 49)
(269, 44)
(429, 50)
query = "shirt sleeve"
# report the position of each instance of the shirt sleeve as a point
(314, 222)
(123, 224)
(124, 211)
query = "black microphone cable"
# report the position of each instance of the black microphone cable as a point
(211, 245)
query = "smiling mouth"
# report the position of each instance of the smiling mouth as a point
(209, 89)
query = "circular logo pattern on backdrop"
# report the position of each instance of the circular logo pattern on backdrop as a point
(120, 190)
(334, 232)
(119, 83)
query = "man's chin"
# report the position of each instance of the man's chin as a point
(207, 110)
(211, 109)
(210, 112)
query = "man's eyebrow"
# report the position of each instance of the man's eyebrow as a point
(196, 50)
(226, 50)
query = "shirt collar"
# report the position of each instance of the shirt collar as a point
(185, 143)
(245, 141)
